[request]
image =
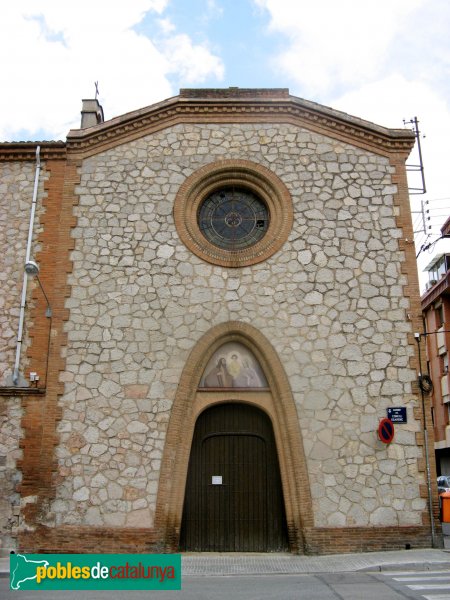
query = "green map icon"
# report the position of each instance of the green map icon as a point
(23, 569)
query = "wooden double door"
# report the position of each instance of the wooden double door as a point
(233, 499)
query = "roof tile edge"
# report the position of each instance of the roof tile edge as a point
(241, 96)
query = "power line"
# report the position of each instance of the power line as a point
(430, 246)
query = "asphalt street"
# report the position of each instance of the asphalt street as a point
(424, 585)
(396, 575)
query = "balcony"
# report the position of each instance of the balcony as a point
(440, 288)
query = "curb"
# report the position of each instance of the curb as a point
(430, 566)
(226, 565)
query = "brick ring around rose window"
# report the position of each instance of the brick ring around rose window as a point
(233, 213)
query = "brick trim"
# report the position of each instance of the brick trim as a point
(413, 316)
(329, 540)
(318, 540)
(74, 540)
(292, 110)
(41, 415)
(26, 151)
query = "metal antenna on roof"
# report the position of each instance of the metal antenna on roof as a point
(419, 167)
(96, 89)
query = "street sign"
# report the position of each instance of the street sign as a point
(397, 414)
(386, 431)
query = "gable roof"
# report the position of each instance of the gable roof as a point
(215, 105)
(240, 105)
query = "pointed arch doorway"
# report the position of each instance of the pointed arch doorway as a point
(258, 380)
(233, 499)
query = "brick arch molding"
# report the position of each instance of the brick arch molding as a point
(278, 403)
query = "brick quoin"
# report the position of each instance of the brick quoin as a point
(41, 414)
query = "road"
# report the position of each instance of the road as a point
(388, 585)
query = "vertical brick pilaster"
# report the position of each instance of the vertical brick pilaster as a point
(41, 414)
(414, 315)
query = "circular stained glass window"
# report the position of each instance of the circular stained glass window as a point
(233, 213)
(233, 218)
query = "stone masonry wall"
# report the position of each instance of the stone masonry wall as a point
(16, 195)
(10, 432)
(330, 302)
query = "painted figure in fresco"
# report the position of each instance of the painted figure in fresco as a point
(236, 369)
(250, 375)
(219, 375)
(234, 366)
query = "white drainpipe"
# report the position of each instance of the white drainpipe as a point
(15, 377)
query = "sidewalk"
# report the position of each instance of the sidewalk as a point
(212, 564)
(251, 564)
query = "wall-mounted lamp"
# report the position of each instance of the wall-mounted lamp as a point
(32, 270)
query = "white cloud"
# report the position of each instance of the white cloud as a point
(192, 63)
(59, 49)
(166, 26)
(330, 44)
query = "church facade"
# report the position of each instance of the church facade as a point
(234, 296)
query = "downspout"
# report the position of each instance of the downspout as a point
(15, 377)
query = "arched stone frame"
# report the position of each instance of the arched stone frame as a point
(277, 402)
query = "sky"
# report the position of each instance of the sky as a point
(386, 61)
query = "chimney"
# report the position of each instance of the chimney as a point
(91, 113)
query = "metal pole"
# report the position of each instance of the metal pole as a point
(419, 148)
(16, 370)
(427, 458)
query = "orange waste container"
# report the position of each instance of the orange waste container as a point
(445, 503)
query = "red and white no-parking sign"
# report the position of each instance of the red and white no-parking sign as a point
(386, 431)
